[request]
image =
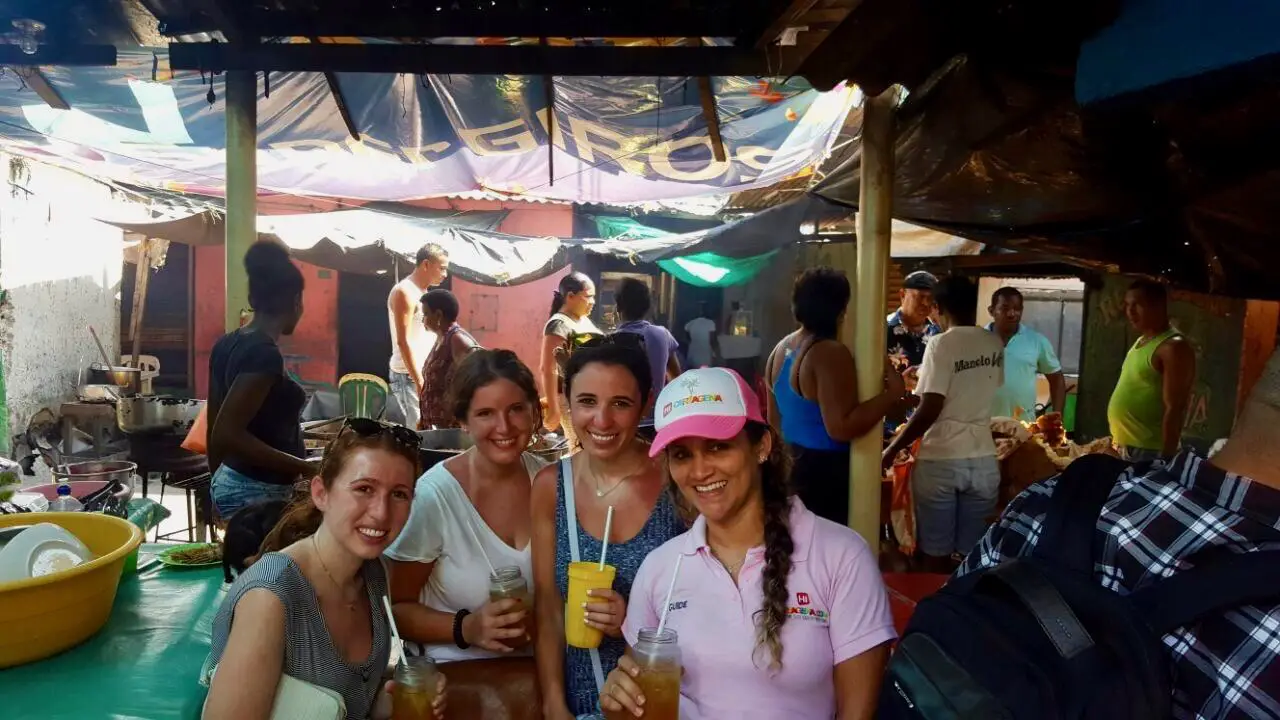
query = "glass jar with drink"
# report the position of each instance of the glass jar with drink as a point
(507, 583)
(416, 682)
(657, 654)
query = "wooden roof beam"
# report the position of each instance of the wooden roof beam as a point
(641, 22)
(789, 17)
(36, 80)
(64, 55)
(596, 61)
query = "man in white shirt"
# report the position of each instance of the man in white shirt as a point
(704, 346)
(956, 479)
(411, 341)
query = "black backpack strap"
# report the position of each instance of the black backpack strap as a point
(1046, 605)
(1221, 584)
(1067, 537)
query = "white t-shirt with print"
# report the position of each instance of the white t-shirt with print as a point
(437, 532)
(966, 366)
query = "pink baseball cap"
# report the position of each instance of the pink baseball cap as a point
(713, 403)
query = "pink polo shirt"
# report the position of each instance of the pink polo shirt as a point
(837, 610)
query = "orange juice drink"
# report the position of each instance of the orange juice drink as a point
(583, 578)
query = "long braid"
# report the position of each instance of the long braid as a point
(778, 548)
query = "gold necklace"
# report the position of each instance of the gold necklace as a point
(600, 492)
(349, 605)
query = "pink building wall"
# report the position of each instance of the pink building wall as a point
(513, 316)
(313, 341)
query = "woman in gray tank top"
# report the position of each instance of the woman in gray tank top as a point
(313, 609)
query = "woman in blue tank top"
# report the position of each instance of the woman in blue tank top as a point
(813, 398)
(607, 385)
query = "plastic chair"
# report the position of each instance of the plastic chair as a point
(363, 395)
(150, 367)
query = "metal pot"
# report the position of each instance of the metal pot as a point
(103, 471)
(100, 374)
(157, 414)
(436, 446)
(98, 393)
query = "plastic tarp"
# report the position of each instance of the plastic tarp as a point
(705, 269)
(1181, 188)
(375, 242)
(614, 139)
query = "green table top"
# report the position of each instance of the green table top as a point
(144, 664)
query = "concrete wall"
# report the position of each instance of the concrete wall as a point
(60, 272)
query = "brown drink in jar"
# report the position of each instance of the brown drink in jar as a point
(657, 653)
(507, 583)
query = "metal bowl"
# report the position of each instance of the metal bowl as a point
(100, 374)
(100, 470)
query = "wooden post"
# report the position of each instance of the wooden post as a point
(142, 278)
(242, 188)
(875, 213)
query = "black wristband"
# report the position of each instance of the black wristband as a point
(457, 630)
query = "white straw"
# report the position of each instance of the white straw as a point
(492, 571)
(391, 618)
(398, 644)
(604, 546)
(666, 604)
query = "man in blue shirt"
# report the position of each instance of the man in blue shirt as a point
(1026, 354)
(908, 330)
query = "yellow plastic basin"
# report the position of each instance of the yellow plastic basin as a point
(43, 616)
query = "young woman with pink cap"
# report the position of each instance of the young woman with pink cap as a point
(778, 613)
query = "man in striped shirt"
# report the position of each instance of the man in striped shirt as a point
(1226, 666)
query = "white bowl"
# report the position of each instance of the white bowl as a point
(41, 549)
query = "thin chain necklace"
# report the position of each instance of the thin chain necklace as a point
(349, 605)
(601, 492)
(731, 569)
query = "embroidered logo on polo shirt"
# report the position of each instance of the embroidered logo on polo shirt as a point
(804, 610)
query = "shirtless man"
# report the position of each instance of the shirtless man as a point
(411, 341)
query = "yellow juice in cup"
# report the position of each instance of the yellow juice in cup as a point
(583, 578)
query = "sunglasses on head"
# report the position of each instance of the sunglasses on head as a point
(364, 427)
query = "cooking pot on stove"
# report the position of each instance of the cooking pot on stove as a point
(157, 414)
(100, 374)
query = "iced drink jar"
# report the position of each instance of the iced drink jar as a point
(584, 577)
(507, 583)
(658, 655)
(415, 689)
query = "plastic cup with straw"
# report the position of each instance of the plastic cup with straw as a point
(583, 578)
(416, 678)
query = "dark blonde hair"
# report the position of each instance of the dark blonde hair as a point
(302, 518)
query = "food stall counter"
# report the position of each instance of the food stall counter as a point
(145, 663)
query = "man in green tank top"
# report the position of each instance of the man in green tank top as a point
(1149, 405)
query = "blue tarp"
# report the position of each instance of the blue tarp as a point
(616, 139)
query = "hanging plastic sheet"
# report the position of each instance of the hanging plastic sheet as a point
(705, 269)
(1181, 189)
(615, 139)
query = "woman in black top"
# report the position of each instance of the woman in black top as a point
(255, 409)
